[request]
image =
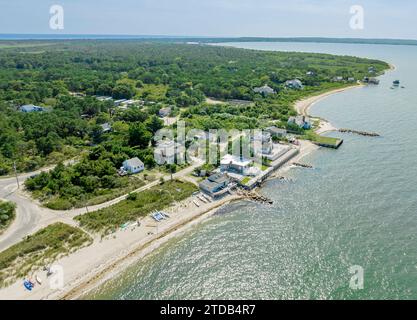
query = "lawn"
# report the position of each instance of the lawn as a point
(99, 196)
(40, 249)
(137, 205)
(321, 140)
(245, 181)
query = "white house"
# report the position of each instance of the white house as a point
(166, 151)
(240, 165)
(132, 166)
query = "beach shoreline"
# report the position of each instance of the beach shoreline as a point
(303, 107)
(92, 266)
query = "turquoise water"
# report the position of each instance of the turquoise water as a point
(357, 207)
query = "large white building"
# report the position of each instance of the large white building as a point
(234, 164)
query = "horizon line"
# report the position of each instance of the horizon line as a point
(191, 37)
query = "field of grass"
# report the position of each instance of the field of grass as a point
(40, 249)
(137, 205)
(245, 181)
(98, 197)
(7, 214)
(321, 139)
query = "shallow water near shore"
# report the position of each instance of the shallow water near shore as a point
(358, 206)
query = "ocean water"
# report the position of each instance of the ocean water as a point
(357, 207)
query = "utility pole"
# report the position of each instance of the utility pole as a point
(85, 202)
(15, 172)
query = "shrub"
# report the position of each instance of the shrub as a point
(132, 196)
(59, 204)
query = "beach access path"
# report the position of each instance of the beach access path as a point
(31, 216)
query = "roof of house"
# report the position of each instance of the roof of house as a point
(264, 89)
(218, 178)
(30, 107)
(134, 162)
(208, 185)
(214, 181)
(105, 127)
(294, 82)
(275, 130)
(165, 111)
(265, 136)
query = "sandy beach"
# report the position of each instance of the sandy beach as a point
(303, 106)
(91, 266)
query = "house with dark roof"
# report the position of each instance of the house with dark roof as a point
(165, 112)
(276, 132)
(215, 184)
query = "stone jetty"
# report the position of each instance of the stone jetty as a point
(254, 196)
(361, 133)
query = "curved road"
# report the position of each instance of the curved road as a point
(31, 216)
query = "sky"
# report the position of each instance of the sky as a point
(214, 18)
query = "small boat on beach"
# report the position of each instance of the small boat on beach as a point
(166, 215)
(38, 280)
(28, 285)
(202, 199)
(207, 197)
(196, 203)
(158, 216)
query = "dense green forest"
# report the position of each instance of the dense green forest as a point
(65, 76)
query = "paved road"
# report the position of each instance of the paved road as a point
(31, 216)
